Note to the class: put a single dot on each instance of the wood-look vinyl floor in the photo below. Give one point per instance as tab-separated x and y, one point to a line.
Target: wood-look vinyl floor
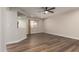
43	42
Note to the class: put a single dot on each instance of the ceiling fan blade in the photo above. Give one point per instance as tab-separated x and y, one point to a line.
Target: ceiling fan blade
51	8
51	11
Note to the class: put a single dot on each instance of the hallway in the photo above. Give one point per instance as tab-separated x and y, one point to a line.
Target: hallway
43	42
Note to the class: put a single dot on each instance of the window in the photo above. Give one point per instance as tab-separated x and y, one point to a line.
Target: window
33	23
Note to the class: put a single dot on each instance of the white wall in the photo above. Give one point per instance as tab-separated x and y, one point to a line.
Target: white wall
10	25
2	30
65	24
39	28
22	31
12	33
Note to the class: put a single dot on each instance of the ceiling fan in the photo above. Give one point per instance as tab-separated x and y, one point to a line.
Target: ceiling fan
48	9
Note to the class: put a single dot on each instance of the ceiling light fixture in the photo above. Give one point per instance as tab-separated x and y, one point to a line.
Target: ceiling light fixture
45	12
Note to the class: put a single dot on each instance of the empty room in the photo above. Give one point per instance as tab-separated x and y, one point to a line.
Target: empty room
39	29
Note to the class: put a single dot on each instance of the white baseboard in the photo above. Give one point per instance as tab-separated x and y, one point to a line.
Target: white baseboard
36	32
16	41
77	38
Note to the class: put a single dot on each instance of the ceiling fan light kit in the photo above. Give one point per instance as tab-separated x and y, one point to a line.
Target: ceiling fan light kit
45	12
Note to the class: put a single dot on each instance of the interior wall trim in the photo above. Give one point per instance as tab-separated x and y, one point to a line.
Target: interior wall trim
16	41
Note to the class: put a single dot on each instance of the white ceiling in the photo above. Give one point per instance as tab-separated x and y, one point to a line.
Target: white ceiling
38	11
